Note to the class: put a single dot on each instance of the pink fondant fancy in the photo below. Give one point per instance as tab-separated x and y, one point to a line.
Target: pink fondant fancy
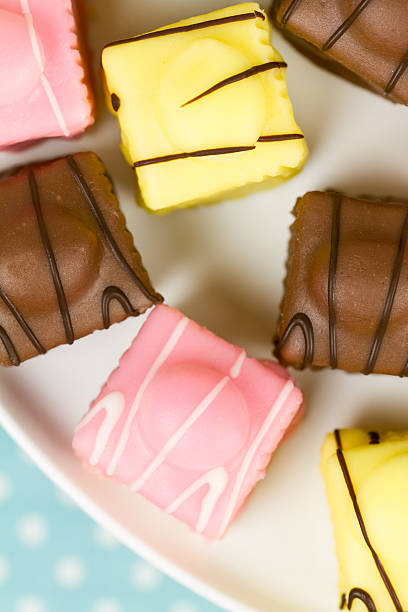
188	421
45	89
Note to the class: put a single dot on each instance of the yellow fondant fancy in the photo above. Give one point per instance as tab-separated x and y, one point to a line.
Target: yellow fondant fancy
366	476
201	102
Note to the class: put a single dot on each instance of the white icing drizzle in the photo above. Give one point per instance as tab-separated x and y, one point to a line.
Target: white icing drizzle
216	480
160	360
113	405
178	435
237	367
25	7
278	404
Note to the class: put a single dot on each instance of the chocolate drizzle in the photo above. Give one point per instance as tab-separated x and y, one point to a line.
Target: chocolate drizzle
342	29
334	249
374	437
343	601
115	101
401	68
22	322
219	151
59	289
201	153
404	371
9	346
385	317
240	76
356	593
389	301
190	27
280	137
109	294
290	10
301	320
362	595
337	437
114	293
93	205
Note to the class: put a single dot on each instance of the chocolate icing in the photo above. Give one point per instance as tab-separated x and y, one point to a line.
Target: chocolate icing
376	53
382	327
343	601
374	437
334	249
364	244
359	593
401	68
301	320
114	293
220	151
62	300
68	263
290	10
337	437
190	27
93	205
9	346
115	101
280	137
362	595
22	322
201	153
342	29
245	74
404	371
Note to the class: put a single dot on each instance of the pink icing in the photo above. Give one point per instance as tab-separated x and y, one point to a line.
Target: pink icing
18	77
167	403
188	420
44	91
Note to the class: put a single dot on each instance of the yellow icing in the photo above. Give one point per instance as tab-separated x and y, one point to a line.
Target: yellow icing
379	473
155	77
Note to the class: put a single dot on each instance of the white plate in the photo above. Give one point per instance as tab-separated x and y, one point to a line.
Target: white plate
223	266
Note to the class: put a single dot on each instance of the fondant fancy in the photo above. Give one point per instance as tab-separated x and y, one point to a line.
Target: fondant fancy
188	421
222	122
68	264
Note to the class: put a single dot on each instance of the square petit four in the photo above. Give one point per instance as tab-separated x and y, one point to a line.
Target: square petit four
345	302
68	265
203	108
363	40
188	420
45	83
365	474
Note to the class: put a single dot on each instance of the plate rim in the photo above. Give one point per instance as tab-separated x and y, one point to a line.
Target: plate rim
99	516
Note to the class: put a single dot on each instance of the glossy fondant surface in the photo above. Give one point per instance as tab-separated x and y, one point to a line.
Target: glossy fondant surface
188	420
199	102
365	474
45	85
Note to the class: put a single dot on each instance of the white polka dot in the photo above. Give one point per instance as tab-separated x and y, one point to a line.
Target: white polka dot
106	605
5	488
4	570
144	576
30	604
32	530
104	539
69	572
63	498
182	606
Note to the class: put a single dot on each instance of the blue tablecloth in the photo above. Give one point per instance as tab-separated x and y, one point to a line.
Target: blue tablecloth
53	558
